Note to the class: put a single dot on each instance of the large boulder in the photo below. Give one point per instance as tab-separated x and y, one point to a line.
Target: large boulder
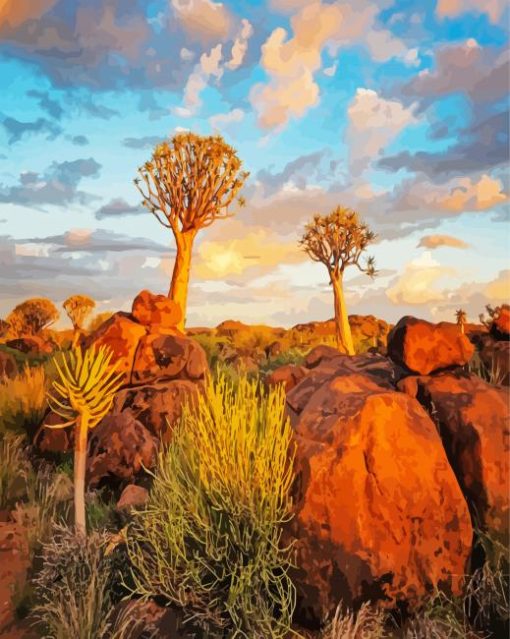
168	357
122	336
424	347
120	449
289	375
157	406
474	422
379	513
156	311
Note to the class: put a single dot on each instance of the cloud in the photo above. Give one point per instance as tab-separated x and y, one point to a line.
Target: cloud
118	207
298	173
436	241
248	251
480	147
79	140
478	72
16	130
13	13
52	107
58	185
291	63
374	122
240	46
204	21
209	65
146	142
419	283
453	8
223	120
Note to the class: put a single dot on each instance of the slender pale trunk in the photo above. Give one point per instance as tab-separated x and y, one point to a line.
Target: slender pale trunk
80	463
180	276
462	328
342	327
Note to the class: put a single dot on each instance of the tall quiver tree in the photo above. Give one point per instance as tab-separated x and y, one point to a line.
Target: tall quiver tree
187	185
78	308
338	240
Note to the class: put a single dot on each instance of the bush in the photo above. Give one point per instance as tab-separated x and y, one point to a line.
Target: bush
73	588
209	538
23	401
292	356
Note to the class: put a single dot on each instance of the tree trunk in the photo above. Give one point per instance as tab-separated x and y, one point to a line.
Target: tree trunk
80	463
342	327
180	276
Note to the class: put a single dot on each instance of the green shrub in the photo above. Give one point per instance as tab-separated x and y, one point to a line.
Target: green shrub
211	344
73	587
23	401
292	356
209	538
493	374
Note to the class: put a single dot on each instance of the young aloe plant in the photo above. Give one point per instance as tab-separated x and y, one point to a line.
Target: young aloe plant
83	395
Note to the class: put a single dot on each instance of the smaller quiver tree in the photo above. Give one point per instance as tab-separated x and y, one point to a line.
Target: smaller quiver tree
461	318
338	240
82	395
32	316
78	309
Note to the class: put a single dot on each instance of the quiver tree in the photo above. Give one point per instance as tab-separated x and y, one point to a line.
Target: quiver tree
461	318
187	185
338	240
78	308
32	316
82	395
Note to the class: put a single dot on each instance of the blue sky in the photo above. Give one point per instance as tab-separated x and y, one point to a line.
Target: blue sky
396	108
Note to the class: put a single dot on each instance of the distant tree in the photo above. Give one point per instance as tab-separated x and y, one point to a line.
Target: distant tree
78	308
338	240
188	185
461	317
32	316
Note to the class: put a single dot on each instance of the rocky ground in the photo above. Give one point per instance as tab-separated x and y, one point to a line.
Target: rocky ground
402	451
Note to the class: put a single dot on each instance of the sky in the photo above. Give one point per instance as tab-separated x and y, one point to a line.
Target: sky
396	108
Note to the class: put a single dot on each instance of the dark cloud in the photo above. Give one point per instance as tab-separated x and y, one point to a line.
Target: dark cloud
147	142
300	172
58	185
16	130
46	103
118	207
480	147
480	73
97	110
97	241
79	140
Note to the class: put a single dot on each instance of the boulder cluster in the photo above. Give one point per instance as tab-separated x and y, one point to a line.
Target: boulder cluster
398	460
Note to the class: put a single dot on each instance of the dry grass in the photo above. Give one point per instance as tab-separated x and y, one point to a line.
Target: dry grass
23	401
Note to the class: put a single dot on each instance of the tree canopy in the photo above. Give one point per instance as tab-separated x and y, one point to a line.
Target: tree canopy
32	316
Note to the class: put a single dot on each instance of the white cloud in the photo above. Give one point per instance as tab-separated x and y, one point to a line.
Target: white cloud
222	120
203	20
452	8
209	65
419	283
374	122
240	46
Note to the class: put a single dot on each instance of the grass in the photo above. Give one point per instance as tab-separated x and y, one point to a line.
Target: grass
14	468
209	538
491	374
23	401
73	588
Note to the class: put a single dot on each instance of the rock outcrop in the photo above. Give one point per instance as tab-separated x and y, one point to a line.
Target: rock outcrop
423	347
379	512
474	422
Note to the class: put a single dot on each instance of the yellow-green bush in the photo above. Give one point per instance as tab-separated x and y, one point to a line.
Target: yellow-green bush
209	538
23	401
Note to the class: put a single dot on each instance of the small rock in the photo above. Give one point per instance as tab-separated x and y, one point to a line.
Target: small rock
133	496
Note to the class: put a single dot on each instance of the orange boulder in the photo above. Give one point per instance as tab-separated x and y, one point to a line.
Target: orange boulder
474	421
379	513
424	347
500	327
289	375
156	310
122	335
